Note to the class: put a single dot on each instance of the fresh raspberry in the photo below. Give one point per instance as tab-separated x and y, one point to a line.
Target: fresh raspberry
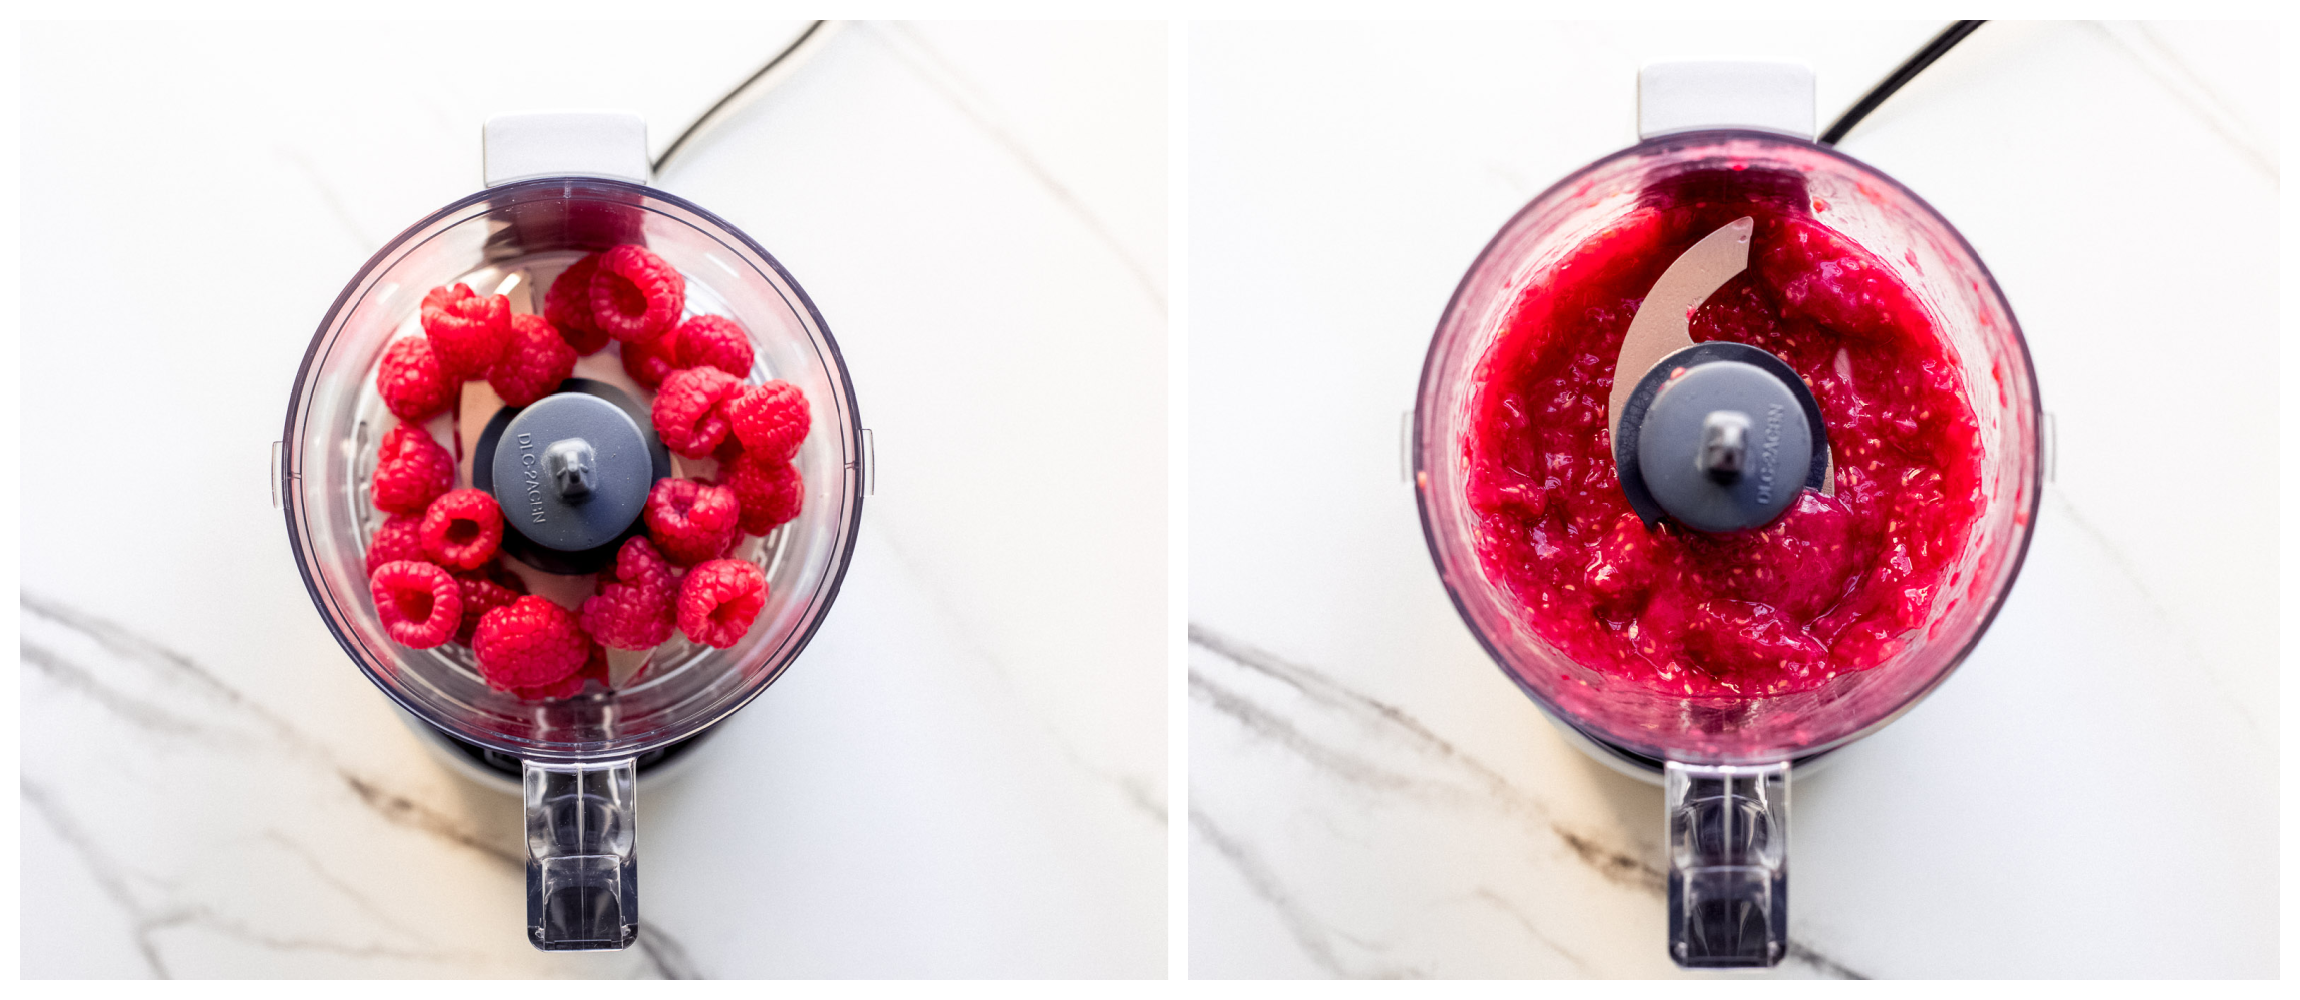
719	600
688	413
411	470
635	295
771	420
691	521
533	364
468	331
399	538
714	341
633	609
770	492
529	643
568	306
462	529
652	362
483	591
594	669
419	603
411	381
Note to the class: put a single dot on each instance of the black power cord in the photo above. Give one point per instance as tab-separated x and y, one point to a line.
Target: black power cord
780	58
1939	46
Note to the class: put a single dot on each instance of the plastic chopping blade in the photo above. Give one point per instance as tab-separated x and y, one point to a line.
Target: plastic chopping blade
1718	436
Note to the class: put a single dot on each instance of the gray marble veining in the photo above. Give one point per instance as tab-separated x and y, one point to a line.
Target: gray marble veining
169	707
1368	757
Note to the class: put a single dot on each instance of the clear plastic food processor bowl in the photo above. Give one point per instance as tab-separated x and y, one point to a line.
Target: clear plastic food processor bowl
1734	753
579	783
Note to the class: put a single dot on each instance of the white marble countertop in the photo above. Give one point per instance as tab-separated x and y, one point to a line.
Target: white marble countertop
2094	792
964	774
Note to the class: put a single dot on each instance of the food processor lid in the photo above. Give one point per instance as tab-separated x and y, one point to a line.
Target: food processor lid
1717	436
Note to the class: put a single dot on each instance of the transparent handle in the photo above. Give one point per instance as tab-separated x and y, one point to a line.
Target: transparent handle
582	855
1728	865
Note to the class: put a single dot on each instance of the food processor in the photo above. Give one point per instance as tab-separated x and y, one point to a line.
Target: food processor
1718	437
559	186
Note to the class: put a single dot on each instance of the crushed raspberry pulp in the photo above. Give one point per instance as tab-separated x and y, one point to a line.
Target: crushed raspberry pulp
1837	583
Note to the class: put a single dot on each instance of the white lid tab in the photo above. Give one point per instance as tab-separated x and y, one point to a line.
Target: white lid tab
1692	96
610	144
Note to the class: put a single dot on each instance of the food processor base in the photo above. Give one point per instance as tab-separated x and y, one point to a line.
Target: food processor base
501	772
1621	760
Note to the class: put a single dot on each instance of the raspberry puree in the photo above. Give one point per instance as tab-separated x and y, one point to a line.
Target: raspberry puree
1837	583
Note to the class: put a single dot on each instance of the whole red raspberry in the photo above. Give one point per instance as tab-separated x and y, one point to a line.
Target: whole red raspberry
533	364
691	521
651	362
463	529
635	295
419	603
594	669
770	492
714	341
411	381
633	609
483	591
399	538
467	330
771	420
411	470
529	643
568	306
719	600
689	415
